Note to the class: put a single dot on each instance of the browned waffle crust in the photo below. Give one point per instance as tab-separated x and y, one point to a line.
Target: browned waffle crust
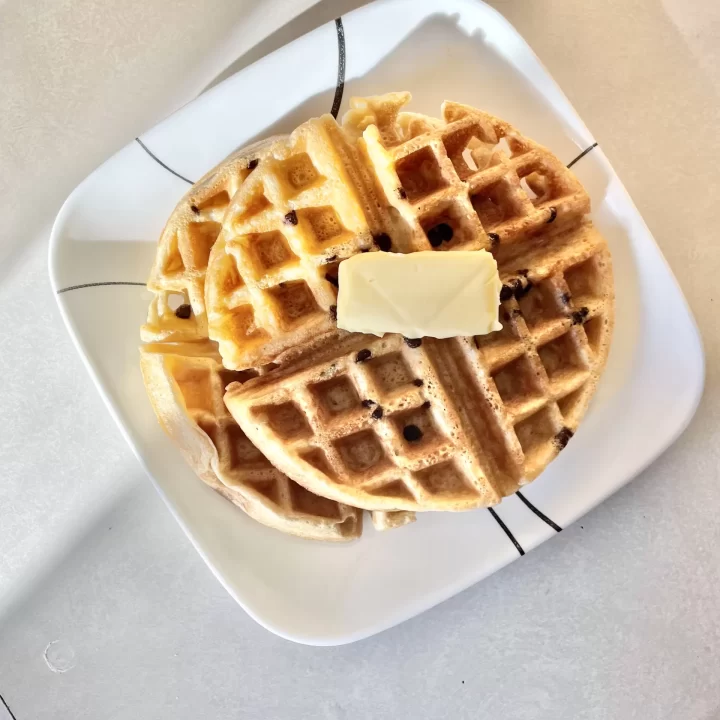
459	423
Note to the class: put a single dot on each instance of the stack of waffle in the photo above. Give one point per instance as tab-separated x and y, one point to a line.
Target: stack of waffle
303	425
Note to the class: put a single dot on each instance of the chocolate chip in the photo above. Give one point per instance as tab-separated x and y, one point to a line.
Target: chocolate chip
578	317
565	298
426	405
195	209
290	218
332	279
183	312
418	382
330	259
553	215
413	342
439	234
412	433
377	413
363	355
383	241
508	290
523	290
252	164
563	438
401	193
333	312
368	403
494	240
517	287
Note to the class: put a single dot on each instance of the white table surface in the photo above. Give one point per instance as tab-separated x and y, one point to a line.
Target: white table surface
617	617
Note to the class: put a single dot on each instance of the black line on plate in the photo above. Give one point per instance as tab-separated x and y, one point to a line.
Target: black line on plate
160	162
87	285
582	155
7	707
340	84
506	529
539	513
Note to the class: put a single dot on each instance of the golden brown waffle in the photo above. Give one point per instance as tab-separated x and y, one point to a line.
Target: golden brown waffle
449	424
471	171
389	180
186	383
177	280
273	272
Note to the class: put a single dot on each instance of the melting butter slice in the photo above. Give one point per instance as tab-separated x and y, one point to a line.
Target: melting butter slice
421	294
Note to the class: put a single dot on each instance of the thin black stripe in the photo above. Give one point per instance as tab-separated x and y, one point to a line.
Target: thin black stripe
160	162
7	707
582	155
340	84
506	529
540	514
87	285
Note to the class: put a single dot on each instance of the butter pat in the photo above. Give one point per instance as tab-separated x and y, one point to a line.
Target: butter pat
421	294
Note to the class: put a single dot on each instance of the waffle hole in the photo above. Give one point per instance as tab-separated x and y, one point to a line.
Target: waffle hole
390	372
240	323
202	237
323	223
496	204
294	302
286	420
536	433
174	300
254	206
316	458
417	429
571	405
303	501
361	452
196	388
594	329
539	305
537	187
469	149
337	396
420	174
269	250
561	359
173	263
396	489
447	229
219	201
516	381
444	479
268	489
584	282
300	172
242	452
228	278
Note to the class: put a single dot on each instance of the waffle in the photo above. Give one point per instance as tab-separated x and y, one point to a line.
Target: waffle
177	279
389	180
185	380
453	424
270	284
185	383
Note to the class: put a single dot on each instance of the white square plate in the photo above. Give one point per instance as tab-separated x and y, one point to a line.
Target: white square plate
456	49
